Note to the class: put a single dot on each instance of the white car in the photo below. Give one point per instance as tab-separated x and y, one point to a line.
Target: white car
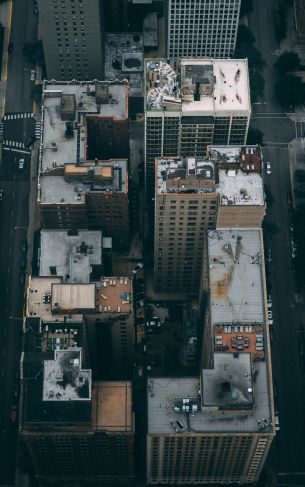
270	318
21	163
277	422
33	75
137	268
269	301
268	168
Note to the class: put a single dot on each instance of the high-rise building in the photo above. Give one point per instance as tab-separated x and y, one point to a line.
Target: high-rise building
191	104
218	428
84	124
224	189
77	432
202	28
72	39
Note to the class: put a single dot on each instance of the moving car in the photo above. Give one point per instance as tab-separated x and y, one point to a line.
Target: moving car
21	163
24	245
269	256
33	75
1	194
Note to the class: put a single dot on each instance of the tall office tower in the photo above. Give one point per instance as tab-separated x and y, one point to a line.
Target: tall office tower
77	432
218	428
192	194
83	161
72	38
190	104
202	28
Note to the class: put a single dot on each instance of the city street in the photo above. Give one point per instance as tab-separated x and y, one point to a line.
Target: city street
15	183
288	452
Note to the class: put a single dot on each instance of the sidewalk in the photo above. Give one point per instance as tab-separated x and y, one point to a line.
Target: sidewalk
6	17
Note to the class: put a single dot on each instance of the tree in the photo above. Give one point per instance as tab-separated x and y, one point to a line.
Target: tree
37	93
257	83
33	52
255	136
246	7
245	37
290	90
288	61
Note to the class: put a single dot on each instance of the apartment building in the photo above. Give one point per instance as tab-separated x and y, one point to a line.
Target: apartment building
76	431
83	159
202	28
218	428
224	189
191	104
72	38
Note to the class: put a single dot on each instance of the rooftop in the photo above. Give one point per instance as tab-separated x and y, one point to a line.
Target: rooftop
71	255
248	158
184	175
67	298
64	379
65	110
236	280
236	187
124	60
229	384
150	29
112	406
198	86
76	181
115	295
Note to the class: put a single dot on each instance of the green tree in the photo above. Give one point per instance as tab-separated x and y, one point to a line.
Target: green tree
246	7
290	90
255	136
288	61
33	52
257	83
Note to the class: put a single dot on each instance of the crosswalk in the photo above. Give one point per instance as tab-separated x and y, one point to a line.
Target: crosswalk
16	116
37	130
13	143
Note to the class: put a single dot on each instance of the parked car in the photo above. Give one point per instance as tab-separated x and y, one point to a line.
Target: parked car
277	421
269	256
10	47
22	278
137	268
36	12
289	199
24	245
270	318
140	304
269	301
21	163
33	75
153	324
13	414
268	168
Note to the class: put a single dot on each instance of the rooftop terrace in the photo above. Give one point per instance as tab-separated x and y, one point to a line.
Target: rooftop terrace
198	86
73	298
115	295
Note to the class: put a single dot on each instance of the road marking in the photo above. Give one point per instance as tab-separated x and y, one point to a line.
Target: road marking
19	150
13	194
12	212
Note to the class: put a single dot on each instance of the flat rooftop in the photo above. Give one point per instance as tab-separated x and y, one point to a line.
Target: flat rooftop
112	406
184	175
64	379
236	187
247	158
76	181
229	384
70	256
236	278
124	60
66	298
198	86
115	295
163	392
61	144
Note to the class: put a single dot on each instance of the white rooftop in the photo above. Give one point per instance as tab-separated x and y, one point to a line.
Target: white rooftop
64	379
235	269
236	187
223	86
70	256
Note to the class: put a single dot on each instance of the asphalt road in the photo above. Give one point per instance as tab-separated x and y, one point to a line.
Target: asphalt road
288	452
13	229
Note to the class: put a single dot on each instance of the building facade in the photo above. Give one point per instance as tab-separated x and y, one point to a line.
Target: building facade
224	189
72	39
202	28
191	104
